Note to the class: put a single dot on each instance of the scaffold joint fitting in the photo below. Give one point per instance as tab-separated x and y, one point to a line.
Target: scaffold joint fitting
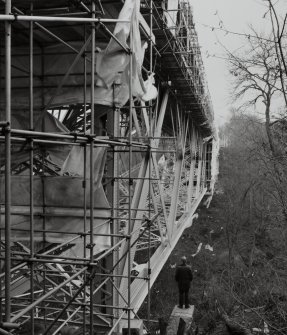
126	309
15	16
149	222
75	136
90	138
5	125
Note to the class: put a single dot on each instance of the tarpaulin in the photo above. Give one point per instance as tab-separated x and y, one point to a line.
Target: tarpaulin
59	200
52	62
50	65
113	63
45	122
59	203
74	164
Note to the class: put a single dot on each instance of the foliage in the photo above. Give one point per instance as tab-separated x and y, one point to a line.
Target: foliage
256	228
244	275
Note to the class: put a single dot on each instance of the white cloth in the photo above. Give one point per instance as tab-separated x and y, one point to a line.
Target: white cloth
171	15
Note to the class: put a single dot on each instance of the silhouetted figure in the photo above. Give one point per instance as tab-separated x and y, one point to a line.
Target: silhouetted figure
183	276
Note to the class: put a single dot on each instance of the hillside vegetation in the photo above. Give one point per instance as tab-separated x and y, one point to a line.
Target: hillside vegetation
240	270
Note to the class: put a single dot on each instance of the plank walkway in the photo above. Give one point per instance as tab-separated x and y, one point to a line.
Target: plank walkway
186	314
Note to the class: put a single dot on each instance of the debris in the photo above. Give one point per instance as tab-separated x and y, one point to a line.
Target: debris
266	328
198	250
208	247
257	330
195	216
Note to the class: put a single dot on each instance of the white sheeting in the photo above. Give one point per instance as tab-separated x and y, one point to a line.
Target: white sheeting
214	160
61	199
44	122
74	164
171	15
112	65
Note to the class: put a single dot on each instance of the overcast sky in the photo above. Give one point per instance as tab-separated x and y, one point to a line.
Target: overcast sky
233	15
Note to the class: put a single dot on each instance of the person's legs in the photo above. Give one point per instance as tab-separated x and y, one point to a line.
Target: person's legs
181	298
186	298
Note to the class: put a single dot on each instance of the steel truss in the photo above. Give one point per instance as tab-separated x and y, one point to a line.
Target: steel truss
156	172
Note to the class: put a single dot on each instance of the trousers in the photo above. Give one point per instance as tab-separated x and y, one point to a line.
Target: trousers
183	297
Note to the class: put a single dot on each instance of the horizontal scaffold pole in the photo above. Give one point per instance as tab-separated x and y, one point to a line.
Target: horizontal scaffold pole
15	17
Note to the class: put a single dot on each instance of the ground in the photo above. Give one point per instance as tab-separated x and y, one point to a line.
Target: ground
208	229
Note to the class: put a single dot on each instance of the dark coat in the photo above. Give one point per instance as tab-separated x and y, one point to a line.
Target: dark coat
183	276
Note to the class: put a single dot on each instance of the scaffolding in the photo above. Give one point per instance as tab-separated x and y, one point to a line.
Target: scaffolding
106	149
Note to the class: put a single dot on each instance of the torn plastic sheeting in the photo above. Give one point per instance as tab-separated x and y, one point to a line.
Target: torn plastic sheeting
74	164
57	196
214	160
114	58
151	91
45	122
58	191
113	63
50	64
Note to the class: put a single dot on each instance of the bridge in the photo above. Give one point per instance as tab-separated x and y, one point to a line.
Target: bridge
107	148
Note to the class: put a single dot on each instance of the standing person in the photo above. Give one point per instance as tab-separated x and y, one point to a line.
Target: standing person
183	276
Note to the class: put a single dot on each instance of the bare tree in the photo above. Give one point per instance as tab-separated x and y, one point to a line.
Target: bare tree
278	29
260	80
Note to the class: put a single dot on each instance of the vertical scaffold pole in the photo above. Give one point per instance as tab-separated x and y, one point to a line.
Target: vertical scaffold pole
85	81
130	177
150	170
2	313
7	163
114	125
31	91
92	167
85	180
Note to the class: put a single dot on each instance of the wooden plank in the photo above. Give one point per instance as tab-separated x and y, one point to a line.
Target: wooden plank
186	314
